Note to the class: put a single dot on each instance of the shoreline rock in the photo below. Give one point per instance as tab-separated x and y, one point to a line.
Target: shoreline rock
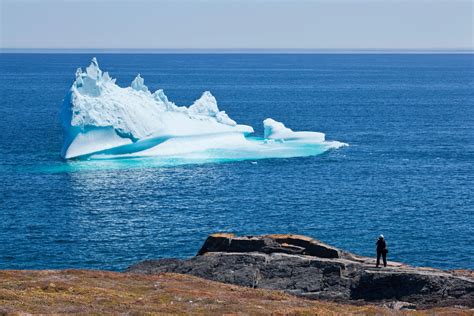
309	268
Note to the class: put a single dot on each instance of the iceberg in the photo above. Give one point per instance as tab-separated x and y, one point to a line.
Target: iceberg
276	130
104	121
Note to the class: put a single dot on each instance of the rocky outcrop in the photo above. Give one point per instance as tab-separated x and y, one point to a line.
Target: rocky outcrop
290	244
306	267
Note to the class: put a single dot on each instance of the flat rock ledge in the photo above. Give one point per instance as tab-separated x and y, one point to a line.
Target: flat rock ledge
306	267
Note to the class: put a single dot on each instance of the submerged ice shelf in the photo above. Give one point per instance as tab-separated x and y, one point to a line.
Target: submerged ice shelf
104	121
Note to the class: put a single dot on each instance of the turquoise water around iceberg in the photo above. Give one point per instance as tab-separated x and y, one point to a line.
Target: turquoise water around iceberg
408	172
268	150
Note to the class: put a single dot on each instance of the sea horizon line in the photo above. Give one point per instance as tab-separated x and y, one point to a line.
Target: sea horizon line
235	51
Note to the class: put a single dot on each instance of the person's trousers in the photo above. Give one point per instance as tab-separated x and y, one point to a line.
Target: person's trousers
384	257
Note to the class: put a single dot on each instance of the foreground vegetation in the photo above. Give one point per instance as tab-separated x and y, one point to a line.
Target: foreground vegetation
99	292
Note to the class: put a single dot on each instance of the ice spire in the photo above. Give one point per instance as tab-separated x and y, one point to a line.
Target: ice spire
93	71
138	84
91	81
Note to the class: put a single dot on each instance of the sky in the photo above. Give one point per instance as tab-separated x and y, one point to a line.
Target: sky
237	24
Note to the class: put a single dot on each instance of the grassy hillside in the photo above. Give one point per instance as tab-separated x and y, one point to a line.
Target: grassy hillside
99	292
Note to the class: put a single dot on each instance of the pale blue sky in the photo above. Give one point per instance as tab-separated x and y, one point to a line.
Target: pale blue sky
259	24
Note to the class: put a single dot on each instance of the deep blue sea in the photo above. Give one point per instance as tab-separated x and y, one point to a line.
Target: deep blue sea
408	172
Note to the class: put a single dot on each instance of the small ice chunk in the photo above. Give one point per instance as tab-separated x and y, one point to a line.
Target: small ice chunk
278	131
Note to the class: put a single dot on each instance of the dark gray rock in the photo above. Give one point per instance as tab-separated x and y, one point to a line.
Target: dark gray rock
306	267
291	244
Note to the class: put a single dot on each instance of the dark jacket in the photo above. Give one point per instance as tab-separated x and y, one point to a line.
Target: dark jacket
381	245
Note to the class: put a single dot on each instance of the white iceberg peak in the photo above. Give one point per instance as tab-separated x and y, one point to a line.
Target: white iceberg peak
161	99
94	61
93	71
78	72
138	84
207	105
92	80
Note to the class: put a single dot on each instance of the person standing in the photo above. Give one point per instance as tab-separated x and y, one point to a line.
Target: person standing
381	250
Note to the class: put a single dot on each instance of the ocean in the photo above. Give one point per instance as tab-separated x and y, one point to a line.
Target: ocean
408	172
